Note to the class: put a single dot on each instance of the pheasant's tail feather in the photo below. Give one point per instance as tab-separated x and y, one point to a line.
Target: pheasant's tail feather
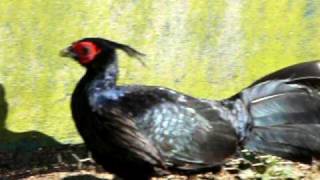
285	116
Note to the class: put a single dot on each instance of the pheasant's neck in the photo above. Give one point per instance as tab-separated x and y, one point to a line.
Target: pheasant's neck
102	87
104	77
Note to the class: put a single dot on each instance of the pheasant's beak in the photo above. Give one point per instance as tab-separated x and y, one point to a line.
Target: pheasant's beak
67	53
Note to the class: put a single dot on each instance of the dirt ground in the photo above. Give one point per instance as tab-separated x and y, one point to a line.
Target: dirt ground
74	163
224	175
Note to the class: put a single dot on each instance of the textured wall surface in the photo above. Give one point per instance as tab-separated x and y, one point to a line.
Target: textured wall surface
208	49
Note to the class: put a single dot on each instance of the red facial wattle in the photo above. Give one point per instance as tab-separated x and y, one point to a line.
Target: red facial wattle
86	51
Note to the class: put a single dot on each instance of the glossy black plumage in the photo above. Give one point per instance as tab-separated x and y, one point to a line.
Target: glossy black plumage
285	110
140	131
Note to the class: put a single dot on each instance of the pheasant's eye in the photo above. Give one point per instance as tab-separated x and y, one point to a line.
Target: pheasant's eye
81	49
85	51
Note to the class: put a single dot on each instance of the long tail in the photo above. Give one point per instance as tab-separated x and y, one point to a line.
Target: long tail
283	113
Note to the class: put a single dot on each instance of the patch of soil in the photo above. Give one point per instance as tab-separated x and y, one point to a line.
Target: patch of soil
73	162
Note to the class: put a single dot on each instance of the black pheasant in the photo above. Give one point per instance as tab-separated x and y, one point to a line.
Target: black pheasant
138	131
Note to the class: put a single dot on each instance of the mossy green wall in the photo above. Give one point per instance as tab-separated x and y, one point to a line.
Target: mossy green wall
205	48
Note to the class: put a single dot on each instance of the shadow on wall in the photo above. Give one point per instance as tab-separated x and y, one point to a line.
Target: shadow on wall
32	149
17	150
25	141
